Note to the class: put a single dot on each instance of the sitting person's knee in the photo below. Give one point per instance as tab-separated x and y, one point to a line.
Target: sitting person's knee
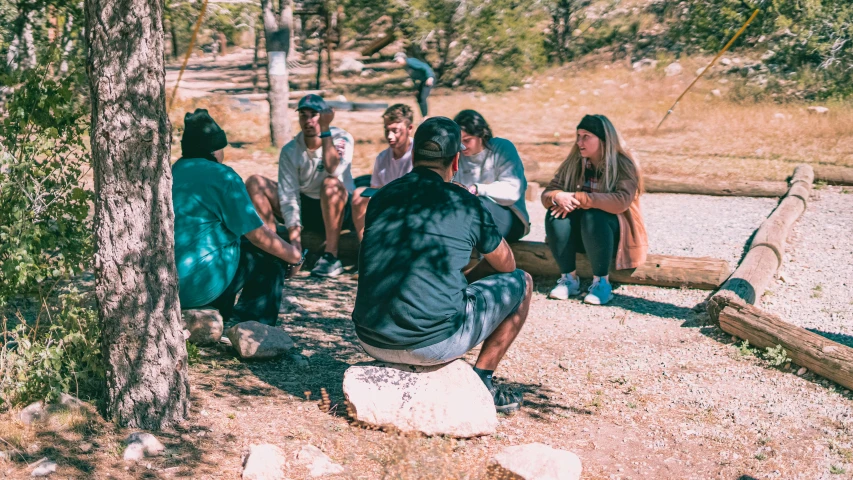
332	186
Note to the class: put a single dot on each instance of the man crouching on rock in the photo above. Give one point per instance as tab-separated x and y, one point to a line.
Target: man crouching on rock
414	305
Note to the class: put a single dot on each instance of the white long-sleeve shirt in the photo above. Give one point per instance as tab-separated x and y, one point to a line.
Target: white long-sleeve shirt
302	171
499	175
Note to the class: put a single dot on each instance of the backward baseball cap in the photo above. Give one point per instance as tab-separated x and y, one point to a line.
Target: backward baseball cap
312	102
438	137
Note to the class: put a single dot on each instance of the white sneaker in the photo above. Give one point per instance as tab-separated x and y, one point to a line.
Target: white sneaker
567	286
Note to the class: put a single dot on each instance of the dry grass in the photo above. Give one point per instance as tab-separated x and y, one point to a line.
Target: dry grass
706	136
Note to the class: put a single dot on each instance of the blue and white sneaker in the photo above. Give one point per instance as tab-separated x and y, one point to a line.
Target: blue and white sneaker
567	286
600	292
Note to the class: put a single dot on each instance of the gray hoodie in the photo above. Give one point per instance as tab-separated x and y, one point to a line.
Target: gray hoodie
499	175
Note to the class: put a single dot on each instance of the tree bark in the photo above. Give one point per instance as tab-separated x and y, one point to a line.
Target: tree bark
277	31
135	278
68	42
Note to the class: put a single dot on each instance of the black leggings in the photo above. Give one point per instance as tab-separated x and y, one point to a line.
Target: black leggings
260	276
423	93
509	225
592	231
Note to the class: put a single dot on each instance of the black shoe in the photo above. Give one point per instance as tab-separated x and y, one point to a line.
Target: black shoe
506	400
328	266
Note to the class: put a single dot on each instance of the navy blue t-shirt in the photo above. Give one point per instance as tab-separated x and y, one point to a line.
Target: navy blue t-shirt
419	234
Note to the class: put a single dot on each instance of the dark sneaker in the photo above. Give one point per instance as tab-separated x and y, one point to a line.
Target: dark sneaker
506	399
328	266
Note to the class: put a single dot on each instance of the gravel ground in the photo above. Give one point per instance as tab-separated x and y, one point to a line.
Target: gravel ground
815	289
690	226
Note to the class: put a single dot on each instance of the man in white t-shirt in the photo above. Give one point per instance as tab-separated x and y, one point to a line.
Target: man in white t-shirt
314	183
391	163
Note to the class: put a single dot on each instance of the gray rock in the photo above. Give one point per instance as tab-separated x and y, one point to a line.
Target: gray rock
205	326
258	341
141	445
818	110
317	462
44	467
39	412
443	400
717	93
350	65
535	461
643	64
85	447
264	462
674	69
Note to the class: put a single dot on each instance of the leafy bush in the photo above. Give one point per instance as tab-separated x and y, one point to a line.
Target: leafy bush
50	335
809	41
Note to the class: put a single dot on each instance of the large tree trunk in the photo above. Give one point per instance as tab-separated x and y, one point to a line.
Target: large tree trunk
277	30
135	277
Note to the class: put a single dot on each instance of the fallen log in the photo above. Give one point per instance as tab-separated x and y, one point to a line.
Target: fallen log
536	259
834	175
820	355
380	43
724	188
767	250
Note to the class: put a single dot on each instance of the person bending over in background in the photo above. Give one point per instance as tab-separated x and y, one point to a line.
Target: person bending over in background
314	183
593	205
414	305
391	163
423	76
491	169
221	244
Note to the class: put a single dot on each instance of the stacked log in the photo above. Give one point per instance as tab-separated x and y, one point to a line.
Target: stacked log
536	259
834	175
723	188
766	252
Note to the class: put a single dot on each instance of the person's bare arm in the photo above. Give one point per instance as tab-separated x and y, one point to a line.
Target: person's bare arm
501	259
331	158
267	240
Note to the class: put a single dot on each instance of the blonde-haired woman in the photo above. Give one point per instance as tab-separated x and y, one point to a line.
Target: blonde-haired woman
593	207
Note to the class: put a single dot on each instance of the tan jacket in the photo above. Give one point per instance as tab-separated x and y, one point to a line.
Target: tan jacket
624	202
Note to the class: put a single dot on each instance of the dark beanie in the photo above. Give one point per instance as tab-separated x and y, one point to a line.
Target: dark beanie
593	125
202	136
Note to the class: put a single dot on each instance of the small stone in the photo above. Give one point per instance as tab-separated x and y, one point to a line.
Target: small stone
264	462
535	461
527	85
148	443
205	326
134	452
818	110
85	447
802	371
768	55
643	64
258	341
700	71
44	467
673	69
780	116
514	88
341	98
317	462
726	61
350	65
717	93
442	400
34	412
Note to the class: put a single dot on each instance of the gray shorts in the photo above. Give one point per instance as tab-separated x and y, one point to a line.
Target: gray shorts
489	301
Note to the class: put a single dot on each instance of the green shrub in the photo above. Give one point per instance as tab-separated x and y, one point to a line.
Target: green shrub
51	337
810	40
